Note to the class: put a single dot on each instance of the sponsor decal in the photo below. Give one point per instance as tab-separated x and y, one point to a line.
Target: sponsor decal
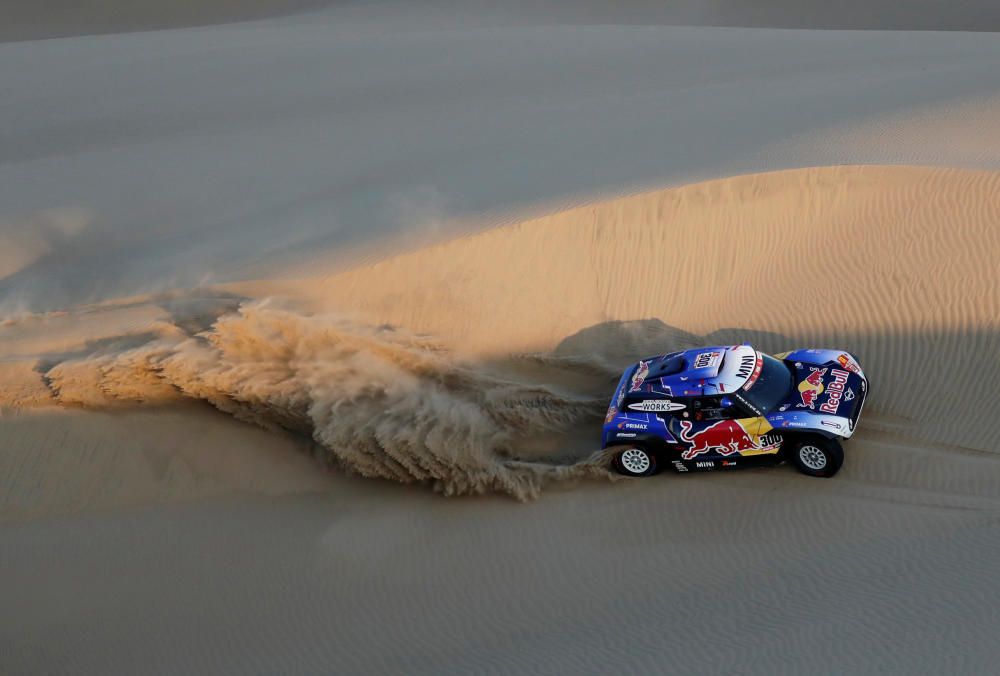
612	412
728	463
769	440
758	365
846	362
656	406
724	437
680	466
633	426
835	391
705	464
848	394
811	388
639	376
626	435
743	400
707	359
747	363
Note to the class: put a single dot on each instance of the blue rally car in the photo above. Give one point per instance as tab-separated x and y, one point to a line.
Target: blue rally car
732	406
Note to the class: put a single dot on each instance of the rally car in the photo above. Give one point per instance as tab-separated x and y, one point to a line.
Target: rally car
731	406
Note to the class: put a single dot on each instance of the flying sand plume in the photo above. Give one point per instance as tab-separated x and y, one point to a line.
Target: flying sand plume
378	402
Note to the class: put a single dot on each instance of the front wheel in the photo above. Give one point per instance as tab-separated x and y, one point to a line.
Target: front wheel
634	461
815	456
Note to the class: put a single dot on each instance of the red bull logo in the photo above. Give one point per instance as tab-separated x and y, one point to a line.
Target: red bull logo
836	391
639	376
811	388
724	437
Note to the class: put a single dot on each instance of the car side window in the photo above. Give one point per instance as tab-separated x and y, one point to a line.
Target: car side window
674	427
710	408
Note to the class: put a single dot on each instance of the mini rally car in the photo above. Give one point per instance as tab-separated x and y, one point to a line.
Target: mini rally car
727	407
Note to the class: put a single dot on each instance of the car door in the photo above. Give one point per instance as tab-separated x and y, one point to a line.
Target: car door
764	439
718	436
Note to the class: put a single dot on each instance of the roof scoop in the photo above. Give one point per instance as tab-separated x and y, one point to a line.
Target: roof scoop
668	367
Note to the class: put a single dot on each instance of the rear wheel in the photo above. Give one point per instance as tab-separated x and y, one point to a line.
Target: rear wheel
815	455
635	461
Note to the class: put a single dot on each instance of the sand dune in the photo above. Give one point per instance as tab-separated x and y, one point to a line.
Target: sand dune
896	264
931	15
63	18
425	134
269	289
874	260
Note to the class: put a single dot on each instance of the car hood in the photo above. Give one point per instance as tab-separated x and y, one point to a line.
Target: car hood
826	389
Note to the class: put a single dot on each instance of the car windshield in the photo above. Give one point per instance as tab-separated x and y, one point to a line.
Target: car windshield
771	387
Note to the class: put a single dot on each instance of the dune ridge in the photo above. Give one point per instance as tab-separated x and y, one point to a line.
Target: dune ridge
896	264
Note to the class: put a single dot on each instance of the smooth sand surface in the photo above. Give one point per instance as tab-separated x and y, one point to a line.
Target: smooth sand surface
285	147
31	20
290	310
931	15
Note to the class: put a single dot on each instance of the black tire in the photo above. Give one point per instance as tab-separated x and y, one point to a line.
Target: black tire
814	455
635	461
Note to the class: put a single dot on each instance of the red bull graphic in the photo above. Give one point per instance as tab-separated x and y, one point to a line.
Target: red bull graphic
724	437
639	376
811	388
836	391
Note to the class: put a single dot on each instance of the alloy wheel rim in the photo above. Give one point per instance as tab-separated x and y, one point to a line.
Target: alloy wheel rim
635	461
812	457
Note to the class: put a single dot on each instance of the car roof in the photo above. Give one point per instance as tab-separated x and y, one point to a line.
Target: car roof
697	372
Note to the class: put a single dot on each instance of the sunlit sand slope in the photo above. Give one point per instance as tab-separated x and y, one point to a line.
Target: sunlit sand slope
897	264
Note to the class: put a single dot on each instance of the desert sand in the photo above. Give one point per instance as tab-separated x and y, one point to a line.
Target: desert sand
282	301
